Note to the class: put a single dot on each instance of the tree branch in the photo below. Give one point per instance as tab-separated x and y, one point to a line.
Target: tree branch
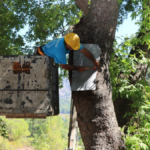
83	5
141	68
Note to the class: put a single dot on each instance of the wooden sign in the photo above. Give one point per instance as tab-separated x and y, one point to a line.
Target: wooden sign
28	87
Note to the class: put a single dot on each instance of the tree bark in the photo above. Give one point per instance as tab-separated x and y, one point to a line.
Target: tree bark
95	111
83	5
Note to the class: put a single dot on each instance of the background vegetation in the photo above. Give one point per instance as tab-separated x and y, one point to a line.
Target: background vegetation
49	19
39	134
137	129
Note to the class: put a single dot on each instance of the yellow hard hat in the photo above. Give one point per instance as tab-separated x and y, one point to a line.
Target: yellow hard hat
72	40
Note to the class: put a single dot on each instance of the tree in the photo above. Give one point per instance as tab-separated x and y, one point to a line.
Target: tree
12	19
133	97
99	128
98	27
14	133
50	134
139	46
18	132
95	110
57	15
3	131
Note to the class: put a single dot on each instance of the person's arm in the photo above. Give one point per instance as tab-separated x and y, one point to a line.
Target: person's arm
90	56
71	67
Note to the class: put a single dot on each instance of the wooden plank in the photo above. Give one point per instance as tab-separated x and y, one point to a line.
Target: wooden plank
35	102
55	89
37	79
33	95
37	116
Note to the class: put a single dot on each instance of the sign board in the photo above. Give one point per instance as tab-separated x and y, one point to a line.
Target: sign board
83	81
28	87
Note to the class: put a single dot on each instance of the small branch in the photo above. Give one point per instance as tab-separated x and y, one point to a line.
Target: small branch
140	73
83	5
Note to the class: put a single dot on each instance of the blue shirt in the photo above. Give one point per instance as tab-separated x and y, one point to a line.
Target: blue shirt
57	50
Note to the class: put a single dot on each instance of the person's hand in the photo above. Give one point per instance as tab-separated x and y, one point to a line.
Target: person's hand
81	68
97	64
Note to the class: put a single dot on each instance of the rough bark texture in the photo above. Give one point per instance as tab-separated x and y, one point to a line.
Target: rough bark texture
122	106
83	5
95	111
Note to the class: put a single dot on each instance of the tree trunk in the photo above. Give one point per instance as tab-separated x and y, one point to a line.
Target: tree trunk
95	110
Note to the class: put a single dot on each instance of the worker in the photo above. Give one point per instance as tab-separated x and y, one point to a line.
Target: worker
58	49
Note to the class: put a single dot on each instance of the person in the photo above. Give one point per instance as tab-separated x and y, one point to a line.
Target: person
58	49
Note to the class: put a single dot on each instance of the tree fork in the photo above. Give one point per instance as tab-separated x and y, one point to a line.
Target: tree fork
95	110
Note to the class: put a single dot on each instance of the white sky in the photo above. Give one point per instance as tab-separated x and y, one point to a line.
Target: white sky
127	28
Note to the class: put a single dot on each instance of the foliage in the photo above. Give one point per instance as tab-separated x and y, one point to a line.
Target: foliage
4	144
138	133
52	131
65	105
126	7
48	20
12	19
3	131
17	134
14	15
57	15
121	69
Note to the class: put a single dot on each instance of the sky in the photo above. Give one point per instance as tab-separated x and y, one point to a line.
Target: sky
127	28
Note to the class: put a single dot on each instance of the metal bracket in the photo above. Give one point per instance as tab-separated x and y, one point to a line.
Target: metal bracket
18	69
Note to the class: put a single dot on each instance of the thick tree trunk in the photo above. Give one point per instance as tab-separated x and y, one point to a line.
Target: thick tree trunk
95	110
